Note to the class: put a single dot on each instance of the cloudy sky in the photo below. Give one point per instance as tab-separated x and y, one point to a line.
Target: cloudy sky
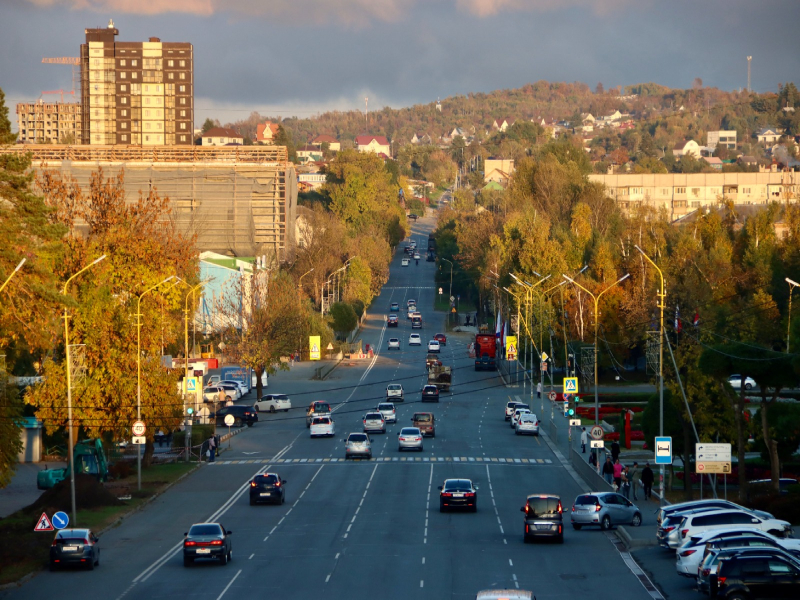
300	57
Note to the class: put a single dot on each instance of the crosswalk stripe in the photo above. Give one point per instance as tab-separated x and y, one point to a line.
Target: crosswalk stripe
410	459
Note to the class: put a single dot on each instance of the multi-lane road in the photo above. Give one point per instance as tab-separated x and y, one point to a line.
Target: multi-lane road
366	528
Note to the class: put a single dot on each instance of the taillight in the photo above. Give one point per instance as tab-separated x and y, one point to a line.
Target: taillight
706	572
54	542
684	532
278	484
597	508
85	542
447	494
536	423
668	529
573	508
721	581
402	439
688	552
253	484
470	494
560	509
216	543
189	543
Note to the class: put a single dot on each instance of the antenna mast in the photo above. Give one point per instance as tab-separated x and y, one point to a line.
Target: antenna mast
749	60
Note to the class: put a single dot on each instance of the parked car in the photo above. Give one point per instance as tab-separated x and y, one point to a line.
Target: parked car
243	389
267	487
318	408
409	438
511	406
430	393
242	415
388	411
273	402
212	394
604	509
717	503
74	547
527	424
692	560
754	576
207	540
322	426
716	555
425	422
395	392
374	422
441	338
521	409
543	517
736	382
668	535
717	519
231	388
357	445
458	493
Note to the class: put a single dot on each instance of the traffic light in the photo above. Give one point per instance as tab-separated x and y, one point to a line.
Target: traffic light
570	365
189	411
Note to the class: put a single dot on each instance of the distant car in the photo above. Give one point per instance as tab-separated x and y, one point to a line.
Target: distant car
410	301
243	389
392	321
395	392
232	388
207	540
736	382
322	426
212	393
374	422
404	262
242	415
441	338
388	411
414	340
273	402
543	517
409	438
604	509
510	406
433	346
416	256
527	424
395	307
519	410
357	444
458	493
394	343
430	393
267	487
425	422
75	547
318	408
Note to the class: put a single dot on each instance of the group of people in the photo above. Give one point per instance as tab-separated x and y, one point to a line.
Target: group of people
621	477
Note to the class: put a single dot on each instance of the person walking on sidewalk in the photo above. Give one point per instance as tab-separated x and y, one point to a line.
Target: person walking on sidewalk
539	389
584	440
626	484
618	475
633	474
647	481
608	470
614	450
212	448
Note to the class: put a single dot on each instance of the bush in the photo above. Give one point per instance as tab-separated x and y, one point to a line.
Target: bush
120	469
358	307
200	433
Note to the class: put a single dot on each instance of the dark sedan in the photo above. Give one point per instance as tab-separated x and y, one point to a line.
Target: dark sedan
242	415
430	393
75	547
458	493
268	487
207	540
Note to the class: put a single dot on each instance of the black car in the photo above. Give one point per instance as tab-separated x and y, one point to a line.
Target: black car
207	540
75	547
543	517
458	493
267	487
430	393
714	555
242	415
754	575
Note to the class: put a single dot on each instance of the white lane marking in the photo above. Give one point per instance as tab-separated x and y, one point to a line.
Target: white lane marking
251	556
328	578
230	583
273	530
266	538
510	564
421	583
423	560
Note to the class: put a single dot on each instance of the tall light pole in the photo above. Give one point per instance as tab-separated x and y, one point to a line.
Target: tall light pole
14	272
69	391
792	285
300	281
529	288
596	322
662	295
188	435
139	371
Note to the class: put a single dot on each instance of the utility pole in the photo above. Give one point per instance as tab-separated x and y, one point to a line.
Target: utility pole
749	60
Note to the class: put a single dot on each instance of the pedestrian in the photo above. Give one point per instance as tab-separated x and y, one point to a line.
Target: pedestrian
626	484
617	474
584	440
539	390
593	459
633	474
212	449
608	471
647	481
614	450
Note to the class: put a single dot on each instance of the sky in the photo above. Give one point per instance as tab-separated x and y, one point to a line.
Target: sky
302	57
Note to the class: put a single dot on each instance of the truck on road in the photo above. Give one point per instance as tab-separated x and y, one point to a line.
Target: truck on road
485	352
441	376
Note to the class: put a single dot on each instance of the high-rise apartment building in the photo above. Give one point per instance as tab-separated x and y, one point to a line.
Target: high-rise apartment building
43	122
136	93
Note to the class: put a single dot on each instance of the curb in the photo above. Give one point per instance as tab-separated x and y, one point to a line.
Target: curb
322	376
630	543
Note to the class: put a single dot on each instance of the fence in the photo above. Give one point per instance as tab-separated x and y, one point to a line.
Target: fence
588	472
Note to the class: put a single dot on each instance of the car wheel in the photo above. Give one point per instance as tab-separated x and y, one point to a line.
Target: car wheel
250	423
283	499
272	408
561	539
747	386
576	526
187	561
474	508
525	538
97	561
90	566
230	555
237	422
637	520
605	523
223	559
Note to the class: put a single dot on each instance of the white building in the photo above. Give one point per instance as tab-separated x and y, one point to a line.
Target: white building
726	137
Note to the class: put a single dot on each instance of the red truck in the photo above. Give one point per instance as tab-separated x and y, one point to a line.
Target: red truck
485	352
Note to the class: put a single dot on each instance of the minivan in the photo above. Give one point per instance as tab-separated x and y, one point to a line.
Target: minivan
318	408
543	517
426	423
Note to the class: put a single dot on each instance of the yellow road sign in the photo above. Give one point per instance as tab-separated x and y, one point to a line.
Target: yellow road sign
570	385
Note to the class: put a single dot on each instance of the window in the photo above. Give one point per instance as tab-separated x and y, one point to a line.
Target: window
123	137
147	138
183	62
124	112
680	190
745	190
182	76
183	138
147	99
181	88
146	113
160	125
183	113
696	192
170	63
123	88
134	62
123	125
134	75
123	100
171	76
183	125
183	100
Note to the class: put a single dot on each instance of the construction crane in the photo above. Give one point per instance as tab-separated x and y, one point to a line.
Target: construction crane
66	60
62	92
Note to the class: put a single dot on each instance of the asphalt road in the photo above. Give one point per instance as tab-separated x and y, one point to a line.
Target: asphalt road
366	528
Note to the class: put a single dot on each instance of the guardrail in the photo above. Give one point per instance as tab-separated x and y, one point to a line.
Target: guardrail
588	472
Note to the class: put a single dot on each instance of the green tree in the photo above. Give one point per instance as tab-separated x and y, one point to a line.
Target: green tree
358	282
209	124
282	138
6	137
343	318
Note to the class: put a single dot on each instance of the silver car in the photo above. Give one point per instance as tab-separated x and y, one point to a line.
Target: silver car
388	411
357	445
394	343
527	424
409	438
521	409
395	392
374	421
604	509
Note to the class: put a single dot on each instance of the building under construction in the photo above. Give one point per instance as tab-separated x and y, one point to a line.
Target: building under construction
239	201
43	122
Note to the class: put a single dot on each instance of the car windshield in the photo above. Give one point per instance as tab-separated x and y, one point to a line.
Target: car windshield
409	431
458	485
394	386
322	407
374	416
422	418
279	397
542	507
357	437
322	421
586	499
72	534
205	530
522	407
385	407
266	479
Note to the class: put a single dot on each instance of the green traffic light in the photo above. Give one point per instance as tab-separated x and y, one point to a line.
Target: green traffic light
189	411
571	412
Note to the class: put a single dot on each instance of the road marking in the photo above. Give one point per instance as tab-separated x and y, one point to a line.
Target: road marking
421	583
328	578
423	560
230	583
251	556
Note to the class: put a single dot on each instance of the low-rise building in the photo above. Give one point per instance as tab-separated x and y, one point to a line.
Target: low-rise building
767	135
506	165
374	143
685	148
309	154
221	136
266	133
502	124
333	144
724	137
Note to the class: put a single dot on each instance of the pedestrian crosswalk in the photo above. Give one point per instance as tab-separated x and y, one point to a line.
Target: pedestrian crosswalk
392	459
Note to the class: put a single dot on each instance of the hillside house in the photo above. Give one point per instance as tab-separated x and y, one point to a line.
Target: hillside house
767	135
421	138
724	137
266	132
324	138
221	136
685	148
502	124
374	143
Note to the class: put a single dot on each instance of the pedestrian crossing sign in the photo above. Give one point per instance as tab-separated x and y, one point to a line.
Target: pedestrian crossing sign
191	385
570	385
511	347
43	524
314	344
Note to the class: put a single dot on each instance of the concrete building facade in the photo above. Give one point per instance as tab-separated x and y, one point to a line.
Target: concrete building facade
43	122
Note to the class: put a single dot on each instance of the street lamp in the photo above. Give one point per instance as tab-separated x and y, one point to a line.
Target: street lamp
19	266
792	285
596	321
451	276
300	281
663	297
139	371
188	435
69	390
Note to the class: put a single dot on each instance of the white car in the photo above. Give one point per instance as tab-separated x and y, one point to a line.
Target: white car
410	302
736	382
322	426
434	346
520	410
717	519
404	262
527	423
414	340
243	389
395	391
394	343
388	411
211	393
416	256
273	402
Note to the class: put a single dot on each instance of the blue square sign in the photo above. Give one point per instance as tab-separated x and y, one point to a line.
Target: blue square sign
663	450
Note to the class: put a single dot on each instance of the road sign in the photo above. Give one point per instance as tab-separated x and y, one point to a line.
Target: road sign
44	524
664	450
511	347
330	346
452	299
566	397
571	385
229	420
313	345
552	396
544	366
574	422
597	433
139	440
712	458
544	356
138	428
596	443
60	520
190	385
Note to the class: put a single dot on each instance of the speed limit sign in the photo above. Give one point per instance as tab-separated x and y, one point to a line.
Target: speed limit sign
138	428
552	396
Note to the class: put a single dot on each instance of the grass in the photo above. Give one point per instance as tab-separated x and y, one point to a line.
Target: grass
31	550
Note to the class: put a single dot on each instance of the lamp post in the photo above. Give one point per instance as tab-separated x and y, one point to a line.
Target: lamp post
451	276
662	297
596	321
516	297
530	287
792	285
188	436
69	391
19	266
300	281
139	371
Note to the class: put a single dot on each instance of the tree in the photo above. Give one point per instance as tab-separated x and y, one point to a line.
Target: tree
697	84
343	318
6	137
282	138
599	89
209	124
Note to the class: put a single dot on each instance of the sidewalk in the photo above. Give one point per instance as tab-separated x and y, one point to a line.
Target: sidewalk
21	490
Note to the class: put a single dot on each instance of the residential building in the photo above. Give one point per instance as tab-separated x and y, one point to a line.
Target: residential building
309	154
43	122
714	162
266	132
373	143
311	181
685	148
505	165
421	138
333	144
136	93
497	176
767	135
221	136
502	124
724	137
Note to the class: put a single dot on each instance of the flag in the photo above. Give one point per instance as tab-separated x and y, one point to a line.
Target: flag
677	319
696	320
